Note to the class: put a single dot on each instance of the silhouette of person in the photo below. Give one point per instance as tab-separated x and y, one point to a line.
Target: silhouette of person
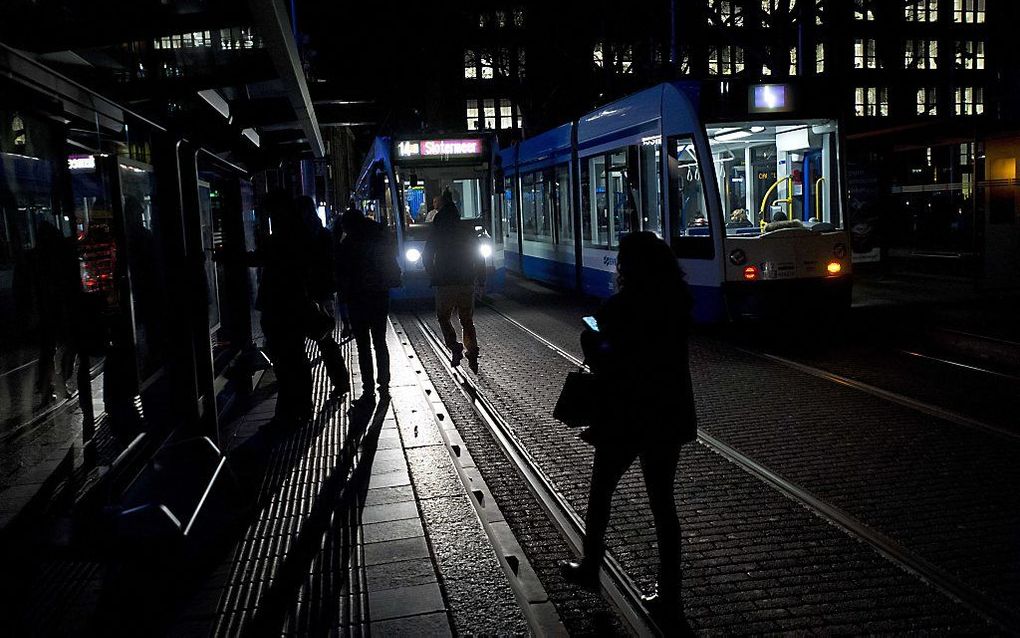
367	268
56	287
283	297
321	285
640	352
454	264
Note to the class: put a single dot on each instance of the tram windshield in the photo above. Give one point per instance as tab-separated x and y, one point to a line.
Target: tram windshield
777	174
423	186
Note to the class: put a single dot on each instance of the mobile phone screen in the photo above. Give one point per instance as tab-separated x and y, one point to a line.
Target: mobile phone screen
591	323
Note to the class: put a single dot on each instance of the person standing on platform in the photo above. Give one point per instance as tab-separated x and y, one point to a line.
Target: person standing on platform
282	297
367	268
454	265
321	285
640	351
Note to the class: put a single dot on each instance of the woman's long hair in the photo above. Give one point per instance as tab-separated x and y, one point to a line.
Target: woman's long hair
648	268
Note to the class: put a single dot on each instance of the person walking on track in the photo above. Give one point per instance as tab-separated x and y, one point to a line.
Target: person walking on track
640	351
455	266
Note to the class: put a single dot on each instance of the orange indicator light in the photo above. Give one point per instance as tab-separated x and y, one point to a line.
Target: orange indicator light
834	267
751	273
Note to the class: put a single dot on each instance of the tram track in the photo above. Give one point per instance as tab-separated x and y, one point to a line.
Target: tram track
621	590
888	395
894	551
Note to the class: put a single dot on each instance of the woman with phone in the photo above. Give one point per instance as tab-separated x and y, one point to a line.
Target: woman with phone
638	346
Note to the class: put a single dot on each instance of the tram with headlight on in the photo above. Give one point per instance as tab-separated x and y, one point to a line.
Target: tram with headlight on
752	208
399	181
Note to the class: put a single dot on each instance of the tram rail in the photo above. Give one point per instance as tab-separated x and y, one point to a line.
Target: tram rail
624	594
895	552
888	395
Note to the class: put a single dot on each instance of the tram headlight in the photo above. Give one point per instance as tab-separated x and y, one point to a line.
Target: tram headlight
839	251
486	251
413	255
737	257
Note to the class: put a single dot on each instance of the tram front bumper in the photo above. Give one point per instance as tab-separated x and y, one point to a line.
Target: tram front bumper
784	297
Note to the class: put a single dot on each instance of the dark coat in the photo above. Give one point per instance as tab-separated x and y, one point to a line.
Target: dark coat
641	354
366	261
451	255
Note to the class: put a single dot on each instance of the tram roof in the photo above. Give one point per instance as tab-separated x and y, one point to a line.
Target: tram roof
635	111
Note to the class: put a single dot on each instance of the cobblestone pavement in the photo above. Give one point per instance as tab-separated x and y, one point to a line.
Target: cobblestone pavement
942	490
754	560
581	612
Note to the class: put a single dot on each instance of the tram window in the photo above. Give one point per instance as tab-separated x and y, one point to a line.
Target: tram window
510	206
467	196
765	169
651	197
624	187
536	214
565	220
596	211
689	221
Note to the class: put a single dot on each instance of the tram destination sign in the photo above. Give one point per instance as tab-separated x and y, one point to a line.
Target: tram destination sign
440	149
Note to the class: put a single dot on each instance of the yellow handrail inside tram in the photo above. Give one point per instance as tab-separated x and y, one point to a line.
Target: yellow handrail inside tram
788	200
818	198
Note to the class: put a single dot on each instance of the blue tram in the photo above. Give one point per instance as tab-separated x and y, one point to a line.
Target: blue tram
401	177
752	209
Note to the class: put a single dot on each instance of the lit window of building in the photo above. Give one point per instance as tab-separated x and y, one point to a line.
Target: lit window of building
472	115
863	10
470	65
793	61
624	58
506	114
483	20
968	11
926	101
871	101
726	13
864	54
725	60
597	56
921	10
489	114
232	39
921	54
486	63
518	17
820	58
520	120
970	100
501	19
966	153
521	64
970	55
820	12
768	8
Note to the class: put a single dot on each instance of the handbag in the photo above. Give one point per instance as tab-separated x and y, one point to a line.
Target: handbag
318	321
580	400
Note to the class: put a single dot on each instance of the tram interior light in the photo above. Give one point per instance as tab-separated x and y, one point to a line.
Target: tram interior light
413	255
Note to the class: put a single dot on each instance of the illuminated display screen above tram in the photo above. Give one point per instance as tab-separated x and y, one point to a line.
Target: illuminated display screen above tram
410	150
